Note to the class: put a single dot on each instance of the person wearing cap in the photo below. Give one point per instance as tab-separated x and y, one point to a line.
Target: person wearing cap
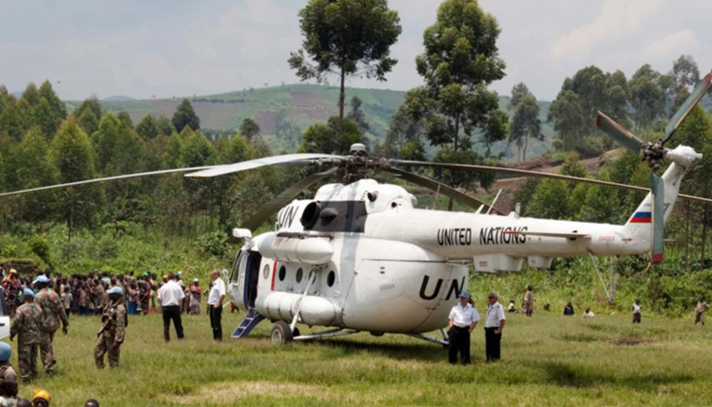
41	398
28	326
8	376
113	332
171	296
53	311
463	319
195	294
11	285
494	324
215	301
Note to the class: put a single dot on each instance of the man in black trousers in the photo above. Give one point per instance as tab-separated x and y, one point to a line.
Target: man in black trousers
171	296
215	303
494	324
463	319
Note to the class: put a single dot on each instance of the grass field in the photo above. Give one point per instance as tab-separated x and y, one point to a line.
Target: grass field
547	360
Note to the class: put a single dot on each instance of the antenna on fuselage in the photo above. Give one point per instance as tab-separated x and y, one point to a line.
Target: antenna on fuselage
494	202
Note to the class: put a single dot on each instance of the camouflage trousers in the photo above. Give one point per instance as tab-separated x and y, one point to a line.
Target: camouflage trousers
106	345
27	359
47	351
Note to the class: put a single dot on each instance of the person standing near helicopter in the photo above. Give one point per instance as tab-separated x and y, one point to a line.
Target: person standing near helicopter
463	319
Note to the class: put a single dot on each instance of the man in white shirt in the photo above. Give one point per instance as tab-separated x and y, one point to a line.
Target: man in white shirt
171	296
494	324
463	319
215	300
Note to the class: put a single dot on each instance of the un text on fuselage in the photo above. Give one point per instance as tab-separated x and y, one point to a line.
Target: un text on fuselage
489	235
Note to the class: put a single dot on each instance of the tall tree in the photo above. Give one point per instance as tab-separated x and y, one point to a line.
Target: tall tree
88	114
684	74
357	115
43	116
346	38
147	128
525	124
185	116
165	126
459	61
249	128
58	107
519	91
569	119
646	97
31	94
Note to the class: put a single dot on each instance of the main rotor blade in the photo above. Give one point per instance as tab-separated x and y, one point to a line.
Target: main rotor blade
260	162
444	189
697	94
527	173
618	133
287	196
95	180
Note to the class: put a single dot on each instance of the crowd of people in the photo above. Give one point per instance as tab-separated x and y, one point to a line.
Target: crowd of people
41	306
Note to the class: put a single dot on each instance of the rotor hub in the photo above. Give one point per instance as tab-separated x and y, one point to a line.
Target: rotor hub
653	154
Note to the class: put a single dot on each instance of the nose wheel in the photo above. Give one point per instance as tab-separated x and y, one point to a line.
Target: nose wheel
282	333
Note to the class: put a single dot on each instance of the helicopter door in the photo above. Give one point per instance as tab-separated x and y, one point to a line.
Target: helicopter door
252	275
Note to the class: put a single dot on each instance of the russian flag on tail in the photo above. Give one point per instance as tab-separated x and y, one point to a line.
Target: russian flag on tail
641	217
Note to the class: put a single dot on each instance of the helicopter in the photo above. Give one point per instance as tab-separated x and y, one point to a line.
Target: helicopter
360	257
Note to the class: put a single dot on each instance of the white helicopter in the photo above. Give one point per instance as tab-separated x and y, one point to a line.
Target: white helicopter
359	257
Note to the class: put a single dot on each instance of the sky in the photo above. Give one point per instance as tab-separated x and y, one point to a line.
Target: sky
166	48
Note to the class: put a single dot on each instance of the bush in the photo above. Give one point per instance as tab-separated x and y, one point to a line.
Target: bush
40	247
214	243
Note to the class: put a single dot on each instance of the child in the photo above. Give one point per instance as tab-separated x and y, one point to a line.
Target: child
636	311
511	307
588	314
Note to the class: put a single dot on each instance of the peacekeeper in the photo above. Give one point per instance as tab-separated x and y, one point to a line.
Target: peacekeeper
7	372
28	326
53	312
463	319
111	335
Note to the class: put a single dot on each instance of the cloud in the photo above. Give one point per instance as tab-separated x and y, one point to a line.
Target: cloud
672	44
615	20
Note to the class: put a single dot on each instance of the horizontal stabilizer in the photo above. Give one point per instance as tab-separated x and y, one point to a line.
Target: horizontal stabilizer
573	235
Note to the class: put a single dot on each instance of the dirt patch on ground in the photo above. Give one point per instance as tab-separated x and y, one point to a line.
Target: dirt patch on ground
630	341
227	393
267	122
306	104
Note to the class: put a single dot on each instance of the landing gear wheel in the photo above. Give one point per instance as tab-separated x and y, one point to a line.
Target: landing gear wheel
281	333
296	332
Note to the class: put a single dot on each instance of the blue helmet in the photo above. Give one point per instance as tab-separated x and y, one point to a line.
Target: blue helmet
5	352
464	294
42	279
115	290
28	292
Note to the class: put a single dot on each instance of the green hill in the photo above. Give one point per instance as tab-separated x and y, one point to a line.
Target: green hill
299	105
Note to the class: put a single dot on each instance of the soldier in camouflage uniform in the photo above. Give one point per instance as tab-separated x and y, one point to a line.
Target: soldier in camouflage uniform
28	326
112	335
54	313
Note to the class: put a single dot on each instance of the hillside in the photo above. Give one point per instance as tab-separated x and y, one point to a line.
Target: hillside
299	105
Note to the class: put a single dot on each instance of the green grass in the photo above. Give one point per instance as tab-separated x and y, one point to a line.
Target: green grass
547	360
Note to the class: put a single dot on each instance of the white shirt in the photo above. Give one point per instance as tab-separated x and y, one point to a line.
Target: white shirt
170	294
217	289
636	309
464	317
495	313
588	314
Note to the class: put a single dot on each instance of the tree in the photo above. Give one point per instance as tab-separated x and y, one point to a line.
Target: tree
16	118
58	107
249	128
43	116
617	95
357	116
569	119
31	94
525	124
402	130
519	91
684	75
185	116
88	114
346	38
71	153
147	128
324	138
165	126
35	170
646	97
459	61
